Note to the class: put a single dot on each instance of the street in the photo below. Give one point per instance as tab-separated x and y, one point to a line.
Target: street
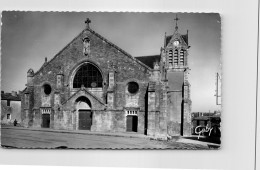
25	138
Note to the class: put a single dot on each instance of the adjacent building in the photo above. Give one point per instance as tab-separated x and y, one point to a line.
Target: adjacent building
209	120
10	107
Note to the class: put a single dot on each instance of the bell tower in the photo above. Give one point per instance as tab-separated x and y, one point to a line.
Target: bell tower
175	75
176	49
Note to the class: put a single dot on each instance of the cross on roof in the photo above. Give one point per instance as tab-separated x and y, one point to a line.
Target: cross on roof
176	19
87	22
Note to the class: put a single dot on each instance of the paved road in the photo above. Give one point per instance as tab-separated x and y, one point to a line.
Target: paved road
23	138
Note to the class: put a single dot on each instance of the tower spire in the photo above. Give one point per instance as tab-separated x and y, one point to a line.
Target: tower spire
176	22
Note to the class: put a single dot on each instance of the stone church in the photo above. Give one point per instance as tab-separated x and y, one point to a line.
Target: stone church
92	84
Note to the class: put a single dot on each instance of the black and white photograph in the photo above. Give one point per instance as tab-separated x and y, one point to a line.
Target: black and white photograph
111	80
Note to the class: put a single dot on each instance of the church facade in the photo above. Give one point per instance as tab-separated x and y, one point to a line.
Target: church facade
92	84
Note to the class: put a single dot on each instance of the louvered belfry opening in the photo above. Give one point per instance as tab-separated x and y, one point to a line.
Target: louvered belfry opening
182	57
89	76
170	57
176	57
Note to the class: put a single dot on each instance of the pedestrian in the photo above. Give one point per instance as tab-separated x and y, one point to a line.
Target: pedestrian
15	122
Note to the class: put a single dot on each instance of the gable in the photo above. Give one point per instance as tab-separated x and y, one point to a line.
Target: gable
103	53
182	38
96	103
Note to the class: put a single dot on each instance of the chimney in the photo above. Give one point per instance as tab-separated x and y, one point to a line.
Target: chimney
14	93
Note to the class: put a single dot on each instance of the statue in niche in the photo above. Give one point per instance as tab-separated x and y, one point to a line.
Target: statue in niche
86	46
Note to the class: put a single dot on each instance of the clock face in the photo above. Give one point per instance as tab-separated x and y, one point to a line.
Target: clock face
176	43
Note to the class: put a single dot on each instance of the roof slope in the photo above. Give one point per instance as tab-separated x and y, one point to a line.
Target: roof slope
149	60
9	96
118	48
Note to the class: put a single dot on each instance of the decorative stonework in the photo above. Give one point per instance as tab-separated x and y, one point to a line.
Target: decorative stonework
86	46
45	110
30	73
131	112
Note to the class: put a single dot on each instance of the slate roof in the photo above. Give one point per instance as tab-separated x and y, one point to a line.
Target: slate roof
185	38
149	60
8	96
168	38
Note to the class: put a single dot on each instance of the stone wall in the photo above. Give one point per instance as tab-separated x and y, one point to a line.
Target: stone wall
157	117
102	121
174	112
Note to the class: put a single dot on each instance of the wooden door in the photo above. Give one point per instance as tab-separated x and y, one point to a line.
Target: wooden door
85	119
46	120
131	123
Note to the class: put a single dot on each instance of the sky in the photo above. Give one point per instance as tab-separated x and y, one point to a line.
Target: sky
28	37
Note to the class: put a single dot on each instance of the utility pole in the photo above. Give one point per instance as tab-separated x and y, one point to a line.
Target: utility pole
218	89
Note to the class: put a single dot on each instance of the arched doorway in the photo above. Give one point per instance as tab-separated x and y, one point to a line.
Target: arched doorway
84	113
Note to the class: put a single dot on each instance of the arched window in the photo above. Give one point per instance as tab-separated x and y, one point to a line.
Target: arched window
47	89
89	76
